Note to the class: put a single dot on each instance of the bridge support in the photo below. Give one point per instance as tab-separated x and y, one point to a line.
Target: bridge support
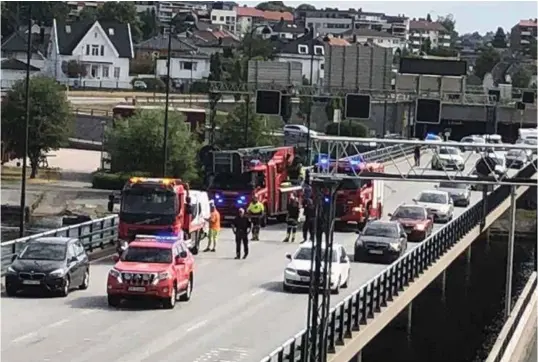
510	254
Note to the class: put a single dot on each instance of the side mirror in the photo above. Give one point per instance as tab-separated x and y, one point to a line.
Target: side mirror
415	201
436	186
358	232
183	255
13	258
288	256
389	215
115	258
179	260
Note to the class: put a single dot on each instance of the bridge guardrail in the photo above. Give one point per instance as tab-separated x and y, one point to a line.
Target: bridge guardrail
350	314
93	234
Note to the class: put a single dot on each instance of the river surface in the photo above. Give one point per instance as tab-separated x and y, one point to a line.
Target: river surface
461	325
11	231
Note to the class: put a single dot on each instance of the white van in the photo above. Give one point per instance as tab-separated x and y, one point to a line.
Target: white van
526	133
200	212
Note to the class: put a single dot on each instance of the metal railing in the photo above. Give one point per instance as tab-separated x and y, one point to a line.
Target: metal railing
94	234
353	312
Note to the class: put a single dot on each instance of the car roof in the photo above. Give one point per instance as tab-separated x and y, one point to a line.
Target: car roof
310	245
53	240
412	205
152	244
382	222
434	192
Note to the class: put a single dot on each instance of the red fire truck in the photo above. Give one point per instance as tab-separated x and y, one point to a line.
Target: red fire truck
155	206
235	176
357	200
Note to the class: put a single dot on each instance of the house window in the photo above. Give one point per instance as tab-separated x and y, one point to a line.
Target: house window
117	72
95	49
102	50
322	66
88	49
95	35
318	50
222	18
214	18
95	71
105	71
303	49
187	66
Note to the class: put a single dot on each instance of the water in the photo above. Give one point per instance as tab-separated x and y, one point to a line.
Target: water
38	225
462	326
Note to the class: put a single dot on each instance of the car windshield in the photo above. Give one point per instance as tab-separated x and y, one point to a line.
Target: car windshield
147	255
306	254
448	151
233	181
149	201
452	185
515	153
44	251
381	230
433	198
410	212
531	141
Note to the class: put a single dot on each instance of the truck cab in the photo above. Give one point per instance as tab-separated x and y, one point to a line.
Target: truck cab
236	176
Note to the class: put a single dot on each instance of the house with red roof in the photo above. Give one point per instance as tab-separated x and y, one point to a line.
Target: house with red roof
248	17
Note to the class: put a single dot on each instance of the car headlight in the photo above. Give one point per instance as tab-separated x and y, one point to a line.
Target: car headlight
57	273
358	243
291	271
114	273
419	227
395	246
161	276
11	270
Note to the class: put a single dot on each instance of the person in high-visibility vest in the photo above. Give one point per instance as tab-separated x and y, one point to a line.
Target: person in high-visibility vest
255	212
214	228
292	218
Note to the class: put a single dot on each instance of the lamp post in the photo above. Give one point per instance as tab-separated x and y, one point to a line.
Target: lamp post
266	30
26	125
188	20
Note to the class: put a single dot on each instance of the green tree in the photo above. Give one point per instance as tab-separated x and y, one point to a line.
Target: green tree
532	48
306	7
88	13
449	23
135	145
74	69
122	12
255	47
521	78
274	6
15	13
332	104
50	119
429	18
305	103
443	52
149	24
486	61
499	40
232	130
347	128
426	46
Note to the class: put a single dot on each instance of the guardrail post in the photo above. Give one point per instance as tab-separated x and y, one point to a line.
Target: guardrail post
405	271
396	282
378	295
341	324
291	355
304	346
91	237
387	287
357	311
102	235
364	312
371	301
349	318
113	228
331	333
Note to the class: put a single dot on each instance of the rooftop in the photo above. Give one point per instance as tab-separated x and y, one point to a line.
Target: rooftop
426	25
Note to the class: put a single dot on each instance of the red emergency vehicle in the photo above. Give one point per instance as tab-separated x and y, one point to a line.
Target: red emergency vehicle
157	206
357	200
235	176
160	268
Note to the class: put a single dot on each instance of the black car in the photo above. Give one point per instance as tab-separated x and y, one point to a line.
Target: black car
49	264
381	239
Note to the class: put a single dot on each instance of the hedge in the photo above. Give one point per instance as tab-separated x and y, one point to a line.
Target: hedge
113	181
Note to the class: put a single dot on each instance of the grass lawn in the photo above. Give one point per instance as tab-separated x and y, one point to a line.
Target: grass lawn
44	175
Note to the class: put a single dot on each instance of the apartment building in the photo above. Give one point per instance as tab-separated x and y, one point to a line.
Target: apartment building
76	7
380	38
420	30
522	35
227	19
166	10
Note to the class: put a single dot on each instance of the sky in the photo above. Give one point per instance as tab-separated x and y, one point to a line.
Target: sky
470	16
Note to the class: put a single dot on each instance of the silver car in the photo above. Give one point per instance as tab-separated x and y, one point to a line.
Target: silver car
459	192
438	203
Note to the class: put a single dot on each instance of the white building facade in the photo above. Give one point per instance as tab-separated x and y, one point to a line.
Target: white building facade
225	18
187	68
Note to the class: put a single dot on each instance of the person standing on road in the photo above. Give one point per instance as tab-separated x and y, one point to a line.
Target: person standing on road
255	211
241	228
292	219
417	156
214	228
310	218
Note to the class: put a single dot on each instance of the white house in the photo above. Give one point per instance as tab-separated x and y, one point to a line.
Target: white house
380	38
186	68
13	70
103	49
307	51
226	18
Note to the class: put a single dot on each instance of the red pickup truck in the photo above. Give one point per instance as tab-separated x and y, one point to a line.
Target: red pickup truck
160	268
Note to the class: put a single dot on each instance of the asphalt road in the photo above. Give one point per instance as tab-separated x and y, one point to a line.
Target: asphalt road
238	311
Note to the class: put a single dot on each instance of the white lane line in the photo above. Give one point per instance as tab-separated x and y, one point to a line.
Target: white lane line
197	325
24	337
258	292
89	311
59	323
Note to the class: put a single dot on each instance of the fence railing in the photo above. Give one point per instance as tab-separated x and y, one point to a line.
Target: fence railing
94	234
353	312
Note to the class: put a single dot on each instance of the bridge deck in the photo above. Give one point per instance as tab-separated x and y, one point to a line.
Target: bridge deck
238	311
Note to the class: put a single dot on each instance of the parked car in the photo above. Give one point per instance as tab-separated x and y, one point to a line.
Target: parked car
298	270
415	220
49	264
459	192
381	239
438	203
139	84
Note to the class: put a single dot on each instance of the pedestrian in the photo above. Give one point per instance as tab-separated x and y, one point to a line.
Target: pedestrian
214	228
241	228
417	156
310	218
292	219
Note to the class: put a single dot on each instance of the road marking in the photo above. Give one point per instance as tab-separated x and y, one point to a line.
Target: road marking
257	293
89	311
59	323
24	337
197	325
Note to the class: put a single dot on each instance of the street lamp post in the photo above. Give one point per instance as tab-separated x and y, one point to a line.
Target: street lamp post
27	123
265	30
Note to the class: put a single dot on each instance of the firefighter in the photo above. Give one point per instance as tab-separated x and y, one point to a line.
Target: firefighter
310	217
214	228
241	228
255	212
416	152
292	219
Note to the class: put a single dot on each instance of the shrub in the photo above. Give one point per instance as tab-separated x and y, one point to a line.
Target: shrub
112	181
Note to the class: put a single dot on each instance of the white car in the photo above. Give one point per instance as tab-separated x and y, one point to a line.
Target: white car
298	130
472	139
297	272
448	157
500	161
438	203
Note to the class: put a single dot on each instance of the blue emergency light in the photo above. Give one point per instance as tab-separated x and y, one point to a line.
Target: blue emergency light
164	237
242	200
218	199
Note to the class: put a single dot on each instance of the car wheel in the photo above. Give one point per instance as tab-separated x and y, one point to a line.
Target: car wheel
336	290
66	287
10	290
114	301
188	291
85	281
356	256
346	284
170	301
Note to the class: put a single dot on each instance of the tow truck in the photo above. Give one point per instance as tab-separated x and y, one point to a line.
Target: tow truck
238	175
156	206
357	200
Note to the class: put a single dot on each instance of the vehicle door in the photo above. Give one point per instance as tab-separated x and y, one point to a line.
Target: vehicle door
345	264
74	266
82	257
182	269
